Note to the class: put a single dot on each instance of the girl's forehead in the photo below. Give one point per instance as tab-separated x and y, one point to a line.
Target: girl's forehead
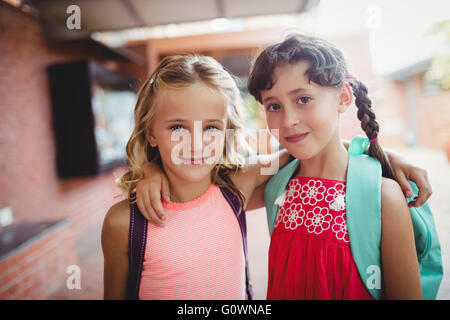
289	77
288	72
193	102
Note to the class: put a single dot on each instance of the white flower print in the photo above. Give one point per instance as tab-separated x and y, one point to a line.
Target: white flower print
293	216
336	197
312	192
293	191
339	203
318	220
281	199
340	228
294	183
280	216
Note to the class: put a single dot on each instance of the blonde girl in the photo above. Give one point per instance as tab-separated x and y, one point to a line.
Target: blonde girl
201	253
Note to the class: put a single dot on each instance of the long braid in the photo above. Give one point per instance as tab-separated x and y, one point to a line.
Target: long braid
370	126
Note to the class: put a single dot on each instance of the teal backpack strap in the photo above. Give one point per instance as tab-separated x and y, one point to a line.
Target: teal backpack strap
363	209
427	246
275	187
363	202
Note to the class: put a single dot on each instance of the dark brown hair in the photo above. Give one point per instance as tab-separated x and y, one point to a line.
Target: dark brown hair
328	68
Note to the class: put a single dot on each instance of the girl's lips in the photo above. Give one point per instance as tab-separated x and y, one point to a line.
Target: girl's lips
193	161
296	137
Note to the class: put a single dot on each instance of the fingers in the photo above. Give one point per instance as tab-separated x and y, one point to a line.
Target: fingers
158	211
140	199
165	189
149	204
144	207
420	177
404	184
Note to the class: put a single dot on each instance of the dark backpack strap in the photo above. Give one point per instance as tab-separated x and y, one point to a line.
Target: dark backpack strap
235	202
136	249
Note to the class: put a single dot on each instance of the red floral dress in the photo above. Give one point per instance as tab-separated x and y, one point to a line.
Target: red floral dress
310	255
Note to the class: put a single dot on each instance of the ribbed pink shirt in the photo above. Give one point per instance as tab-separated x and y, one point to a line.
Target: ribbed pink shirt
198	254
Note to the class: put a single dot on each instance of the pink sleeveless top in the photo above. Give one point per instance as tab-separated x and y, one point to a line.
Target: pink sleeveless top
310	255
198	254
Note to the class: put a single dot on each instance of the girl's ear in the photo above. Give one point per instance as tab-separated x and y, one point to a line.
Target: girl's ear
151	139
345	98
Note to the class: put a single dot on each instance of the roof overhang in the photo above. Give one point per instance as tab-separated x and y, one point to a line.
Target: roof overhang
110	15
410	70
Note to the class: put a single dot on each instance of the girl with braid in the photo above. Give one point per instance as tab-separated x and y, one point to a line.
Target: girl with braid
304	86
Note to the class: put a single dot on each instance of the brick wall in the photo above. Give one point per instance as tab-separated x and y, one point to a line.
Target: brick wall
35	271
432	114
28	180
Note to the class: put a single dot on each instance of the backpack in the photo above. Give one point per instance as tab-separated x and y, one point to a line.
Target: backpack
363	207
138	235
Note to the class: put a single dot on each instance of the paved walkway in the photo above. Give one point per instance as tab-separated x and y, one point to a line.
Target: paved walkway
91	258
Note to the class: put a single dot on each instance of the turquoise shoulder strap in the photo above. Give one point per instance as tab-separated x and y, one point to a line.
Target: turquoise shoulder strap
363	200
428	247
363	207
275	187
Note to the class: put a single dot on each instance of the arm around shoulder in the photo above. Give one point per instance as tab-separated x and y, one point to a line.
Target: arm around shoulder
252	179
398	250
115	250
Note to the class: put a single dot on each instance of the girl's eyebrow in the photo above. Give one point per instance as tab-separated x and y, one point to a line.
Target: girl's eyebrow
298	90
182	120
292	92
214	120
175	120
268	99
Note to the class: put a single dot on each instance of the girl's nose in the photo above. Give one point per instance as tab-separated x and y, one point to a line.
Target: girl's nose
290	119
197	142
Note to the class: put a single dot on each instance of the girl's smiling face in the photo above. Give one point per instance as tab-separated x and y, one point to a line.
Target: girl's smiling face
305	114
189	130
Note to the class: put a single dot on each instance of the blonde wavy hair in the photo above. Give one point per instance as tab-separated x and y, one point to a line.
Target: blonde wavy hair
177	72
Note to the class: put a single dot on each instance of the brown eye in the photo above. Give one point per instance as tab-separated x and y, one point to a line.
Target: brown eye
273	107
303	100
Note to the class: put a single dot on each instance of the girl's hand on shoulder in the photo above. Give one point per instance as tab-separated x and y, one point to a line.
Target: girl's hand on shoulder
404	171
149	191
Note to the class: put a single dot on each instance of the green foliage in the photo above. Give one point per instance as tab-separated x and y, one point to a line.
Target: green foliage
251	106
439	71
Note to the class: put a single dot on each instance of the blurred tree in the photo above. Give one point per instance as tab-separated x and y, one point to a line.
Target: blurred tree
252	106
439	71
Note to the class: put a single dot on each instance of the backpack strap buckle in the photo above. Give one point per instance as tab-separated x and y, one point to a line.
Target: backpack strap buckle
358	145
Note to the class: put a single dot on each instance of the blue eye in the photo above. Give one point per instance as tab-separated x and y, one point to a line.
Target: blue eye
210	128
273	107
176	127
303	100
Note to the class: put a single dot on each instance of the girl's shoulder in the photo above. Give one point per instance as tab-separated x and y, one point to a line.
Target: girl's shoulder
393	202
116	224
391	190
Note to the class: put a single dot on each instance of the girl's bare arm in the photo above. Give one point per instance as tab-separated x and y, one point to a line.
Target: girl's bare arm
398	251
150	190
258	172
259	169
115	250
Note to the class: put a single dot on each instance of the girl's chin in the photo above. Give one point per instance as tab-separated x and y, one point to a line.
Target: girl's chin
301	154
195	177
192	172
